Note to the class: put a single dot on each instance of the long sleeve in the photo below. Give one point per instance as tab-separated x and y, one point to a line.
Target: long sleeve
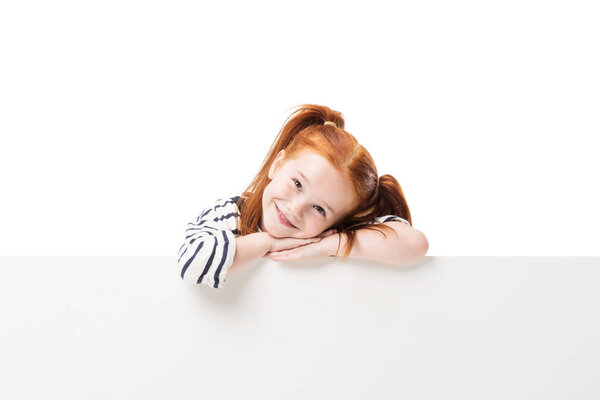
387	218
209	245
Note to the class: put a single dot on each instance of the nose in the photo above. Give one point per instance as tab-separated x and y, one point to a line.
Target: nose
296	208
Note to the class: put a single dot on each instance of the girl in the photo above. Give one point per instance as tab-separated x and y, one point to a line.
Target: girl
316	192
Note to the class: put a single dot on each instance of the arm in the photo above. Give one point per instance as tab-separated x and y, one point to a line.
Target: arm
403	246
250	247
210	258
209	246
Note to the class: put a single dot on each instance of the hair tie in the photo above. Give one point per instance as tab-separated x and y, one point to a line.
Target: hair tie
330	123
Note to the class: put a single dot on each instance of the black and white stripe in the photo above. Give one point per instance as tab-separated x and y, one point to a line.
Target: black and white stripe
387	218
209	246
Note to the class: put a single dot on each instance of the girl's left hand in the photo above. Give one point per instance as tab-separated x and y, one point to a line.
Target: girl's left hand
323	248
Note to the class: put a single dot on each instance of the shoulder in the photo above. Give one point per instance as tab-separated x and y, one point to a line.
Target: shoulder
224	201
226	207
388	218
221	214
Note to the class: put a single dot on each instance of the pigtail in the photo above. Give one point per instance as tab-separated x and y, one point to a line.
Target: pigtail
387	199
391	198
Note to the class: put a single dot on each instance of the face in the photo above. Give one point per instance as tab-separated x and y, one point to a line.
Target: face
309	192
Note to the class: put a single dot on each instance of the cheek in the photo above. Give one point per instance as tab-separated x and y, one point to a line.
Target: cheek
314	224
285	188
266	193
276	190
267	196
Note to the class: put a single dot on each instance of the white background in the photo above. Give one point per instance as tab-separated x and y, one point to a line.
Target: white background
121	120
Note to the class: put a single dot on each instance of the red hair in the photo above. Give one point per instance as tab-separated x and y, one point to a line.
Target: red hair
303	131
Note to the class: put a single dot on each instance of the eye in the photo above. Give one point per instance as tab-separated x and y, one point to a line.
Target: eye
323	210
297	181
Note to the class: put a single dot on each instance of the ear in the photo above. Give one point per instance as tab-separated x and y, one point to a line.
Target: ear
276	163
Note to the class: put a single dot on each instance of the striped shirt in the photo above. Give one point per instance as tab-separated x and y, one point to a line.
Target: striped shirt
209	245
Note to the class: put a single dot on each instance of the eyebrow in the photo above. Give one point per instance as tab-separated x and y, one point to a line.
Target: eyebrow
307	181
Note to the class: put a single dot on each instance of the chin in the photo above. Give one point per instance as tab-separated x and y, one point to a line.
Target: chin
281	231
277	233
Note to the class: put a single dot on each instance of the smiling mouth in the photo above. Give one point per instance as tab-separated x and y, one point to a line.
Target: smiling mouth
284	218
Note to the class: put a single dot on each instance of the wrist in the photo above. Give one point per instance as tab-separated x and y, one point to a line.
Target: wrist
267	242
331	243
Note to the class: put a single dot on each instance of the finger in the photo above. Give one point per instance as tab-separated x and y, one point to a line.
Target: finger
327	233
302	242
280	252
277	257
283	257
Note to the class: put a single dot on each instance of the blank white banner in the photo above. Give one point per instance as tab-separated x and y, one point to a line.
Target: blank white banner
444	327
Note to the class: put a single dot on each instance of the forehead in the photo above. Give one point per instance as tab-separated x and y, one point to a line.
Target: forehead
314	163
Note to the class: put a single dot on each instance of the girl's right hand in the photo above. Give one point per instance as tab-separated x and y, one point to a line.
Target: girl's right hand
286	243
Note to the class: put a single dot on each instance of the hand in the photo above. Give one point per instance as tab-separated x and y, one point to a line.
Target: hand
286	243
316	249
